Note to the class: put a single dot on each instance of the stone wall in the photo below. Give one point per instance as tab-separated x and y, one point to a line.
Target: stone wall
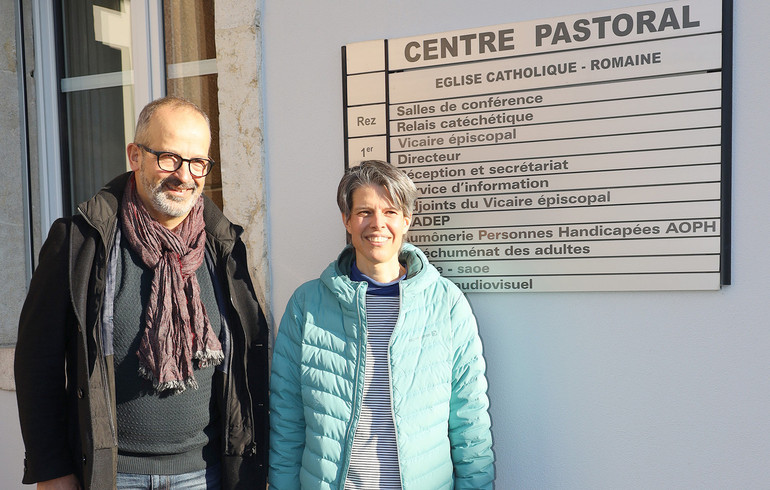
238	40
13	277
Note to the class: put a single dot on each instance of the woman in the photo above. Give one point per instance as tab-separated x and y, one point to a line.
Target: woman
378	375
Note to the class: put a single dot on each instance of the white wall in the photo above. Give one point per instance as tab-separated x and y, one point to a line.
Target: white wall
588	390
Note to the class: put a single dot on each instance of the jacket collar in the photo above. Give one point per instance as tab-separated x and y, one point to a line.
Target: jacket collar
101	211
420	274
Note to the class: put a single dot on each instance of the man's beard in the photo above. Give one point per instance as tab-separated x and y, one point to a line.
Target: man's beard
169	205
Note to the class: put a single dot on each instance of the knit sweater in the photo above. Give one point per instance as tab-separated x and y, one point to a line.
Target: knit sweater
157	433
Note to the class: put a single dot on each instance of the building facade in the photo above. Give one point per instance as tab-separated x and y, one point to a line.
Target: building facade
659	389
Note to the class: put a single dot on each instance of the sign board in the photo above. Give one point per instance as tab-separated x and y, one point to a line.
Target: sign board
580	153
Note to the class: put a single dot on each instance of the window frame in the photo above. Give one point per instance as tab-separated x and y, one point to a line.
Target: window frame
147	76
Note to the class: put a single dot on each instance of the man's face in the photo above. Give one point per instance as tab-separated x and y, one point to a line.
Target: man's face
377	228
169	196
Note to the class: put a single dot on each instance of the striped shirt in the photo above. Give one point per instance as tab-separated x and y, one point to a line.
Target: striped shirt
374	457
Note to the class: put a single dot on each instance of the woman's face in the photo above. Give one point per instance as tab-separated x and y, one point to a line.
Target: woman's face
377	228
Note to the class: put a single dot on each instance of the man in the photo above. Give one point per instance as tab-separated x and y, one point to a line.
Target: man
142	349
378	375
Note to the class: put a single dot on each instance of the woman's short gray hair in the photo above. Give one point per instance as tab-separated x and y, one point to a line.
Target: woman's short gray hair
400	189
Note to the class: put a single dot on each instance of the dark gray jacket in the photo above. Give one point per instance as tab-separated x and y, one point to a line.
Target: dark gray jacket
65	385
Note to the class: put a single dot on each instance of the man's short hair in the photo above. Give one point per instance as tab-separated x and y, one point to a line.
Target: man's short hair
400	189
141	135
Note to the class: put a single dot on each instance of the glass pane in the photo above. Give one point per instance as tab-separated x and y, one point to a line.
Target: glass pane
97	37
191	69
98	93
189	31
97	143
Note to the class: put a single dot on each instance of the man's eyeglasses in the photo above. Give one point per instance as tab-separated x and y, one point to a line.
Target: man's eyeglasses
170	162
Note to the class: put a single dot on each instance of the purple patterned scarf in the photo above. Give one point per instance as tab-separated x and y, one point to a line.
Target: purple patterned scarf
177	329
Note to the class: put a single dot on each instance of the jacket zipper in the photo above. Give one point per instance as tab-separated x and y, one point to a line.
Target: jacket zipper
226	395
390	384
355	402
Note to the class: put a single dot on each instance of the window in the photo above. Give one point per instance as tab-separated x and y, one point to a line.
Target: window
97	88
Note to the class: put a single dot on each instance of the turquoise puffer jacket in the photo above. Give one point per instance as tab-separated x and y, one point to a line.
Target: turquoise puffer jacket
438	386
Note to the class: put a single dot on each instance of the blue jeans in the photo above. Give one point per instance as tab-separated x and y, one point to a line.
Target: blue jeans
208	479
